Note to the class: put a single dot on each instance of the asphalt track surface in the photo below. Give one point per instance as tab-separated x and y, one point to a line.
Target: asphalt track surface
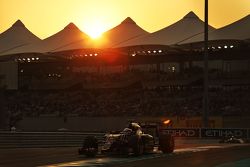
196	155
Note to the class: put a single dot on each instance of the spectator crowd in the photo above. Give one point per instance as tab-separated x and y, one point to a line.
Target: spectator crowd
137	99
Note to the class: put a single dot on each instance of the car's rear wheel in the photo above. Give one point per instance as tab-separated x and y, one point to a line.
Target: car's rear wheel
166	143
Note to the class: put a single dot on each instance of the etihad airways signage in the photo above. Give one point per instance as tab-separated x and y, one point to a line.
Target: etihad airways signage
218	133
208	133
182	132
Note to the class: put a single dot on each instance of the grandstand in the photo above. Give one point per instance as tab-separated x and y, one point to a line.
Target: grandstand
127	82
167	82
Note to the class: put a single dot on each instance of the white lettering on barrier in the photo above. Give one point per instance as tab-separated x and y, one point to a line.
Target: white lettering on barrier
182	133
207	132
221	133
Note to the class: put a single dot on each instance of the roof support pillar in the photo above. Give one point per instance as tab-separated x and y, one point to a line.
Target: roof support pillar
205	97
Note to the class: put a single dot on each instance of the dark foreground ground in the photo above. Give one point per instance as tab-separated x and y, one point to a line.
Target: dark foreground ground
210	158
48	156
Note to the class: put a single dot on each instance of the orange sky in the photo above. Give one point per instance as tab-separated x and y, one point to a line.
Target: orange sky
46	17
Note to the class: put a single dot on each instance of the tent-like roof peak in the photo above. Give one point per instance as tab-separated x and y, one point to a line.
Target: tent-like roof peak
128	20
18	23
71	26
191	15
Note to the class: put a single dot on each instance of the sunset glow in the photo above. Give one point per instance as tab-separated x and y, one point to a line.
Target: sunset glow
46	17
95	30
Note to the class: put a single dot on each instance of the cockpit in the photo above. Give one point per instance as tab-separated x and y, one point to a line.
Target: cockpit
135	127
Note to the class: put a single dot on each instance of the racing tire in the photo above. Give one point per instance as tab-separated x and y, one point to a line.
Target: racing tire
90	146
166	143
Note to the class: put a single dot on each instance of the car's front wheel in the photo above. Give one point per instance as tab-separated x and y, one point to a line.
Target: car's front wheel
90	146
138	147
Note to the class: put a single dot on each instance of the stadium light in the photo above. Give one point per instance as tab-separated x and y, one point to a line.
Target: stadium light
205	97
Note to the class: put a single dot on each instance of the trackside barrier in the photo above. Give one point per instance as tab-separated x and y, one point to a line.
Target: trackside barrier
219	133
43	139
183	132
206	133
75	139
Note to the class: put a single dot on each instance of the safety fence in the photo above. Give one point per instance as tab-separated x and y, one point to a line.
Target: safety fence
75	139
43	139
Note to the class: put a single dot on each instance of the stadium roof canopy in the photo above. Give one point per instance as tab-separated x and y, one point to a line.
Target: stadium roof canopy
16	37
69	35
71	38
125	31
189	26
188	31
65	40
239	30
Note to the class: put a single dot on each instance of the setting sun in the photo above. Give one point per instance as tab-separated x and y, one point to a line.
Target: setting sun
95	30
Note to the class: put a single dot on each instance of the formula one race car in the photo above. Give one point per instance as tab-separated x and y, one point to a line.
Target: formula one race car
132	140
231	139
